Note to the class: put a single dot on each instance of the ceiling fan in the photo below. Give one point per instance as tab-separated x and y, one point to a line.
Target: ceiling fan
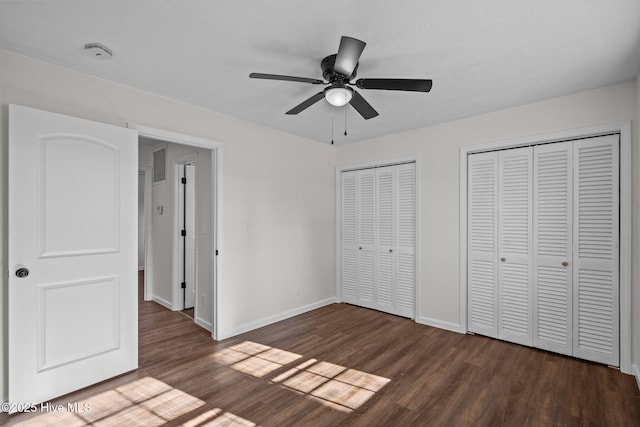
339	70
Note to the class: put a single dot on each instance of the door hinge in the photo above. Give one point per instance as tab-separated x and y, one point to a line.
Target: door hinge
216	252
183	233
183	285
184	180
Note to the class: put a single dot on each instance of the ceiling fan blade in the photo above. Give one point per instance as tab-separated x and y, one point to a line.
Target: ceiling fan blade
362	106
286	78
411	85
348	55
306	104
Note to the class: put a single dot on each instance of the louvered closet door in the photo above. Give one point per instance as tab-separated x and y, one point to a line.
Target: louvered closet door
515	246
385	242
482	243
395	239
596	249
366	225
564	289
379	238
349	236
552	308
405	240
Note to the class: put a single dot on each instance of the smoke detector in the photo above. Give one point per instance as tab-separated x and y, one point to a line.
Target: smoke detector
98	51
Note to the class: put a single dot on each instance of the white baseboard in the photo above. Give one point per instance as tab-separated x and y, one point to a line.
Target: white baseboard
203	323
163	302
275	318
454	327
636	373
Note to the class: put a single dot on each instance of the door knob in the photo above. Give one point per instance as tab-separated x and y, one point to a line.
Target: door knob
360	247
565	263
503	259
390	250
22	272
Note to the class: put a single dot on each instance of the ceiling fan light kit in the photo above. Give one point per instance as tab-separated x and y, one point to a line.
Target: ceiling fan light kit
339	70
338	96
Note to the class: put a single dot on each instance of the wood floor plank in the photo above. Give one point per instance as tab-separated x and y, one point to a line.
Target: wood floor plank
349	366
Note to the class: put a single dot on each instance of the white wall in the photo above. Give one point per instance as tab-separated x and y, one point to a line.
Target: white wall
438	147
279	196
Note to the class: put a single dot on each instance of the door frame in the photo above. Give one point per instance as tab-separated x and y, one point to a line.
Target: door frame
148	236
217	155
177	303
368	165
622	128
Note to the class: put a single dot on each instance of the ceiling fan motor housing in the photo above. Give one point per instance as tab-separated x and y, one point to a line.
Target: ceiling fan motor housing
330	75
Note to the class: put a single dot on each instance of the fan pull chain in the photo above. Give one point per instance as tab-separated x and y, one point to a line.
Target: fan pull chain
332	129
345	120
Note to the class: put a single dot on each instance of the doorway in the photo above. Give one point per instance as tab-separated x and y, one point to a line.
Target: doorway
165	265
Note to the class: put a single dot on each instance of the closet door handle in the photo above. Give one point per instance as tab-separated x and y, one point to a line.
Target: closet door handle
359	248
503	259
565	263
390	250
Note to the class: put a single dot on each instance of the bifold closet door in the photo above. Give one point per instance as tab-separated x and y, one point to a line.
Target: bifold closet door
576	249
543	246
553	189
596	213
395	239
515	244
378	238
366	236
358	217
500	245
349	255
483	243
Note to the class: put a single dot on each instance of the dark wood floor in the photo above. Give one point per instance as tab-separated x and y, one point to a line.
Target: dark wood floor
344	365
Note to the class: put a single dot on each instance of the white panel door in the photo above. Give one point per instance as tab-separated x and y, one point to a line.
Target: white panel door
349	242
405	240
515	243
483	243
73	225
596	249
552	278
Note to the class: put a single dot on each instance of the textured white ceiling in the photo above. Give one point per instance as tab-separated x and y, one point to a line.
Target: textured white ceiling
482	55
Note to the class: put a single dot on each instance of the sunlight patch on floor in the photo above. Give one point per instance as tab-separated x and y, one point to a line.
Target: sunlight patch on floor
332	385
254	359
217	418
144	402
